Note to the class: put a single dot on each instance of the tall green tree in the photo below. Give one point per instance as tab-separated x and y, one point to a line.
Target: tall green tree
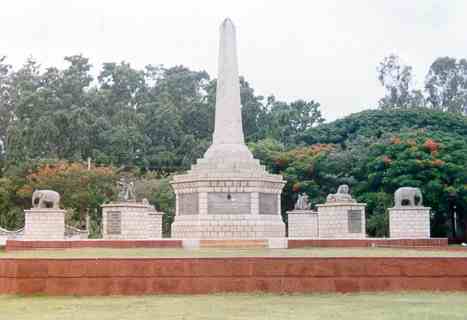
446	85
397	80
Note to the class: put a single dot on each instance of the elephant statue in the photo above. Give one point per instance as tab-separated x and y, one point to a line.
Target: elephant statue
408	197
45	199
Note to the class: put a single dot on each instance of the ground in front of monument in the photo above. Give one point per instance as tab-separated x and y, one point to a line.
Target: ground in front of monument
382	306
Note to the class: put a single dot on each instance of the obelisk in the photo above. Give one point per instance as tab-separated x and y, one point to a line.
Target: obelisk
228	141
227	194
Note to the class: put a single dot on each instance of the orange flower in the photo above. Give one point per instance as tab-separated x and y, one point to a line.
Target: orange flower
431	145
396	140
438	162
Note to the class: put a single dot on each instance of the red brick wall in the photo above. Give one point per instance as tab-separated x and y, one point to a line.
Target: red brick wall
433	242
14	245
209	275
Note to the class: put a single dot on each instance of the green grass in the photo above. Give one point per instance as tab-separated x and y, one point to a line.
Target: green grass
398	306
305	252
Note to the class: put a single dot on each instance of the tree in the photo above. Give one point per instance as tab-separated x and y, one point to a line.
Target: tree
288	121
397	80
82	190
6	112
446	85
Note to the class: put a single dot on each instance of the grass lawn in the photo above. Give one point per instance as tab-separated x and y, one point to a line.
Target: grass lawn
211	252
398	306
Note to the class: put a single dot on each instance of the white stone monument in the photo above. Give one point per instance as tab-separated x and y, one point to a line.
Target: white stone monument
227	194
45	221
302	221
409	219
341	217
131	221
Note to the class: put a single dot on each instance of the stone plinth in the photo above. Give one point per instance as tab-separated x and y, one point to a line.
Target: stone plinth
303	224
130	221
211	205
409	222
44	224
341	220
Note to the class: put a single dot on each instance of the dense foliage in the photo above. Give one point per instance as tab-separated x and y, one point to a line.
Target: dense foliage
157	121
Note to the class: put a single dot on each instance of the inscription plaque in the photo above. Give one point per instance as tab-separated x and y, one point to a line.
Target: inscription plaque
355	221
114	222
267	203
229	203
188	203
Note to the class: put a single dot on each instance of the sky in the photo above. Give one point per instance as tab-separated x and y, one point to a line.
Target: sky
326	51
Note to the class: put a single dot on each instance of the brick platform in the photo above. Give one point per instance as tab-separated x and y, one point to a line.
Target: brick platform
15	245
210	275
377	242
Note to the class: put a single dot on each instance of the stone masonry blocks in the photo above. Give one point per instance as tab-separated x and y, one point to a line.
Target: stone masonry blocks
303	224
130	221
409	222
337	220
44	224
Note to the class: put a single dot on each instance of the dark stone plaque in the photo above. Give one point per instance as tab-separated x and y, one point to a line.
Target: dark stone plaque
114	222
188	203
229	203
267	203
355	221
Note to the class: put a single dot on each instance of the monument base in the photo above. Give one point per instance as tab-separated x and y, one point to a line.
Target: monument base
44	224
409	222
228	227
341	220
303	224
130	220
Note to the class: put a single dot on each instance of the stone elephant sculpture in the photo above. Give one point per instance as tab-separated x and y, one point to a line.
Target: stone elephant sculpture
408	197
45	199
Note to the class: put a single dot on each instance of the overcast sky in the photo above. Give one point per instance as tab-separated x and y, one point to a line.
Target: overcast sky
322	50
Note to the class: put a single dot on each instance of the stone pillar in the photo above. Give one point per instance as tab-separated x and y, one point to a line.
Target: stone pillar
44	224
409	222
303	224
341	220
254	203
131	221
203	203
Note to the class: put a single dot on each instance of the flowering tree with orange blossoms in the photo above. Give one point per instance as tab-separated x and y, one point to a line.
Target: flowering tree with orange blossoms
81	190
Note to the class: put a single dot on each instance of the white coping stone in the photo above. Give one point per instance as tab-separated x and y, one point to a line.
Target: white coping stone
278	243
190	243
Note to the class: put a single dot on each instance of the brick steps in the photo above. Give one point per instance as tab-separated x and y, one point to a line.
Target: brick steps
234	244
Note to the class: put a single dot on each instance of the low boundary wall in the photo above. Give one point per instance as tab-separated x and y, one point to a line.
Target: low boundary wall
369	242
210	275
17	245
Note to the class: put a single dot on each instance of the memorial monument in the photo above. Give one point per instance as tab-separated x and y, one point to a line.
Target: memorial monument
128	219
227	194
45	220
302	221
341	216
409	218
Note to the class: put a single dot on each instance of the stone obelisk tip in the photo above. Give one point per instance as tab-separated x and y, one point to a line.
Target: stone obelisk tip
228	130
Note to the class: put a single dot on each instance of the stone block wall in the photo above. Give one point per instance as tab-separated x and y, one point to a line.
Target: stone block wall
303	224
44	224
227	226
409	222
341	220
130	221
